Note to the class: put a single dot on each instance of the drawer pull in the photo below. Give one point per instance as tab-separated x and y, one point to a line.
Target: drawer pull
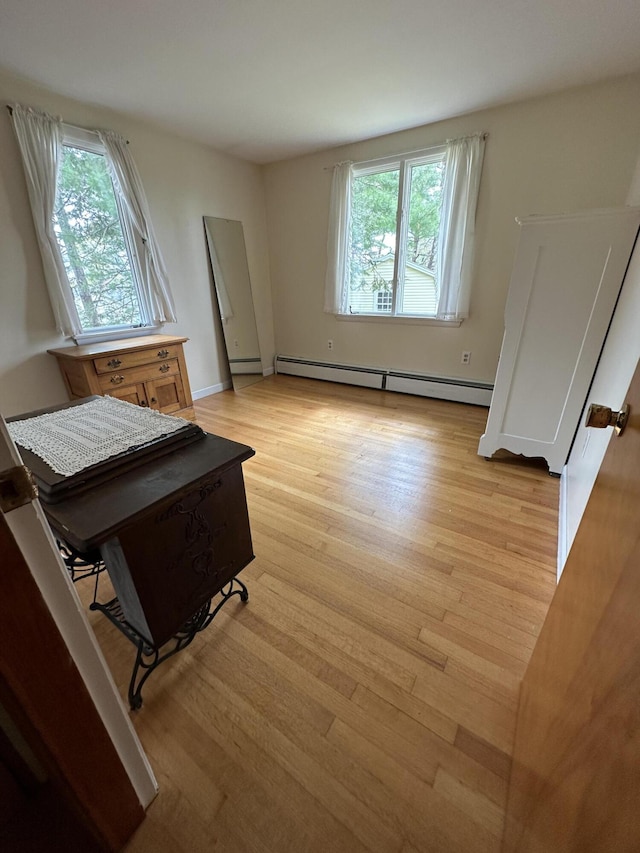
163	368
163	353
117	379
143	403
115	362
153	400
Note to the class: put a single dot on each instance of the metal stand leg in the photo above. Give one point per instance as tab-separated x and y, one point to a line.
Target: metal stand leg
148	656
81	565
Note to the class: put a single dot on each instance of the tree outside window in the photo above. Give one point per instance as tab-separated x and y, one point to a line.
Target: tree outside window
393	242
89	231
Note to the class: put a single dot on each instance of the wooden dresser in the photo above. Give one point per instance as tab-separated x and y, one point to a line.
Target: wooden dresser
147	371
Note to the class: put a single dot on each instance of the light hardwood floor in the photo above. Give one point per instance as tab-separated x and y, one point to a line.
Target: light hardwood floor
364	699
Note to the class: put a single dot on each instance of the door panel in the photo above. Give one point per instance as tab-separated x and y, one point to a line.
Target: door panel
166	394
575	782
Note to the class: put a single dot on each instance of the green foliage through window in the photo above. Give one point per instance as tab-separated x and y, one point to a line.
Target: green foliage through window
89	232
395	219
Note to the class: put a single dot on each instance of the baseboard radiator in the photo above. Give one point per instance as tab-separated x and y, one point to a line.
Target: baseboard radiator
245	365
444	388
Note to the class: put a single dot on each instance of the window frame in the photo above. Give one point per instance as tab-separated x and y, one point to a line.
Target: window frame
403	163
89	140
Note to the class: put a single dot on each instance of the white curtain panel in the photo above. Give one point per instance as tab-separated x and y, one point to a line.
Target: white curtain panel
128	186
336	289
40	141
463	167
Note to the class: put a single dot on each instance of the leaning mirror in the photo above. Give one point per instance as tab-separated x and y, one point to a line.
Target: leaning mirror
230	271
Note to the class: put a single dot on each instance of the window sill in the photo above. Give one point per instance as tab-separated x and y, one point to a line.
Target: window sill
114	334
409	320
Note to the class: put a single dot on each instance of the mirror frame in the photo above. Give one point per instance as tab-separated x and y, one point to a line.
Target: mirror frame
230	272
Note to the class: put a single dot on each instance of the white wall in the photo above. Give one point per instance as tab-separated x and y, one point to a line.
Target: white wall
183	181
571	151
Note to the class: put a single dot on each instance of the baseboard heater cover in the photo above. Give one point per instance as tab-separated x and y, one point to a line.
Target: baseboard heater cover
245	365
441	387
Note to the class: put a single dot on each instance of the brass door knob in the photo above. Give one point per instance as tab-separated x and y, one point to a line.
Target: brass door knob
164	368
163	353
115	362
601	417
117	379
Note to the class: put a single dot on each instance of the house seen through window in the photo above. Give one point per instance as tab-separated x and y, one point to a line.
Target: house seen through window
93	242
393	239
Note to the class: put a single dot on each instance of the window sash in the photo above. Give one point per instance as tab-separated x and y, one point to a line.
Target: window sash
87	140
40	140
404	165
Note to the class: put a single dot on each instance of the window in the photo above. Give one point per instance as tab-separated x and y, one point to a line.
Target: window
401	233
384	300
393	238
102	264
93	240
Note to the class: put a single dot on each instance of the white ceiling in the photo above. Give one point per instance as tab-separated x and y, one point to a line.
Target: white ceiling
269	79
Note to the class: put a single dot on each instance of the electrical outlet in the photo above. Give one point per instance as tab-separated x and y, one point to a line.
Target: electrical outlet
329	344
466	357
236	344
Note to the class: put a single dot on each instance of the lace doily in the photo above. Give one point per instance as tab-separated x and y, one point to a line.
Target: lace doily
76	438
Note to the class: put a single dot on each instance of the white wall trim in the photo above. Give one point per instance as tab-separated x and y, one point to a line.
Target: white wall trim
223	386
211	389
390	319
562	522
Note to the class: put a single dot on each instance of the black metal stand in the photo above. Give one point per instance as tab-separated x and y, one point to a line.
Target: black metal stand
80	565
148	657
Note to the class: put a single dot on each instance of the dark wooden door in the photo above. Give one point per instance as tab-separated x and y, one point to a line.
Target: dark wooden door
45	695
575	782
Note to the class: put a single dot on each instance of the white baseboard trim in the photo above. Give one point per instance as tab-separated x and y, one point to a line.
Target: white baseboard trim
212	389
562	522
223	386
441	387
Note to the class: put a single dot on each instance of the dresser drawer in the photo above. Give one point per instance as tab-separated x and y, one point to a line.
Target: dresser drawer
144	373
125	360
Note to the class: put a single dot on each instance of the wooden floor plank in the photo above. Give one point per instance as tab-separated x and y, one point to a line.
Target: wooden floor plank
419	811
364	698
